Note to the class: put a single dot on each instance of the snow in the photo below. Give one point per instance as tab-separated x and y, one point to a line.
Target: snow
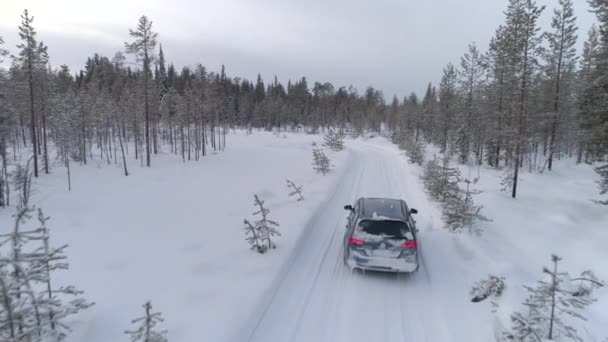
173	234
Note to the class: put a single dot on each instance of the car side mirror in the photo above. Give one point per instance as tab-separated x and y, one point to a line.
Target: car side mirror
349	207
413	211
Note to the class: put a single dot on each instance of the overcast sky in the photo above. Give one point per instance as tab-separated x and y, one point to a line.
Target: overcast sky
396	46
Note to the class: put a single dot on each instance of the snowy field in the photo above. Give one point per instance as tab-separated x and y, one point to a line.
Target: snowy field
173	234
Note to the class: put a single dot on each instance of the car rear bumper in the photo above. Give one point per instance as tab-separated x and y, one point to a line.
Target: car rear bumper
396	265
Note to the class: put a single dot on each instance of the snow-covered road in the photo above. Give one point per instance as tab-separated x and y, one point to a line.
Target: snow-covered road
316	298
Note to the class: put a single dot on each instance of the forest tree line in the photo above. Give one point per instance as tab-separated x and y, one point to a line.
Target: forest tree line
526	100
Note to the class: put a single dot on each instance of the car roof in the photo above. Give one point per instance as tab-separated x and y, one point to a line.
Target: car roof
383	208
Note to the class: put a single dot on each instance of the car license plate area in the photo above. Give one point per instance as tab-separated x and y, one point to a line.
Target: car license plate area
385	253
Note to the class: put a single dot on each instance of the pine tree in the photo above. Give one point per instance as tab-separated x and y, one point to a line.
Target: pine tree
603	182
296	190
594	100
441	181
334	140
459	210
321	162
252	236
146	331
260	233
493	286
22	182
51	304
469	130
546	306
143	48
32	57
524	17
3	52
561	59
447	106
586	95
414	148
20	297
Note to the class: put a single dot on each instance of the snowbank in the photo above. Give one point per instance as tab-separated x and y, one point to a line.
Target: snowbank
174	233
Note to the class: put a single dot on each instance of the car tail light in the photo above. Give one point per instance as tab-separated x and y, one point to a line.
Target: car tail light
355	242
410	244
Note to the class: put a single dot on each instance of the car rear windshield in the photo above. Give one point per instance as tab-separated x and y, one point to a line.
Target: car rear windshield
393	229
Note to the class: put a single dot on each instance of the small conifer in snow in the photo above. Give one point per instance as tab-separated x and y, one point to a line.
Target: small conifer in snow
414	148
52	304
603	182
146	330
321	162
549	306
260	233
295	190
493	286
440	181
22	182
459	209
34	308
251	235
334	141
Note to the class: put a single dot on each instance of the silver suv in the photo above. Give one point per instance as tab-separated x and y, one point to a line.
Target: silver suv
381	236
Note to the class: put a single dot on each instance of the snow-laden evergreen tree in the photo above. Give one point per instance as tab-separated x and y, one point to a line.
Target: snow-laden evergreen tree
492	286
561	63
334	140
470	126
550	308
3	52
52	300
13	308
321	162
447	106
26	320
295	190
459	209
522	16
414	148
252	236
34	308
440	181
266	227
603	182
260	233
31	59
146	330
22	182
586	97
143	48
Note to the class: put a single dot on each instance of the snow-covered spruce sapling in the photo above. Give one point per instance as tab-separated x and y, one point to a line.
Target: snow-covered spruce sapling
321	162
52	305
334	141
15	308
295	190
265	227
41	313
492	286
549	306
17	277
441	182
414	148
251	235
603	182
459	209
146	330
22	183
